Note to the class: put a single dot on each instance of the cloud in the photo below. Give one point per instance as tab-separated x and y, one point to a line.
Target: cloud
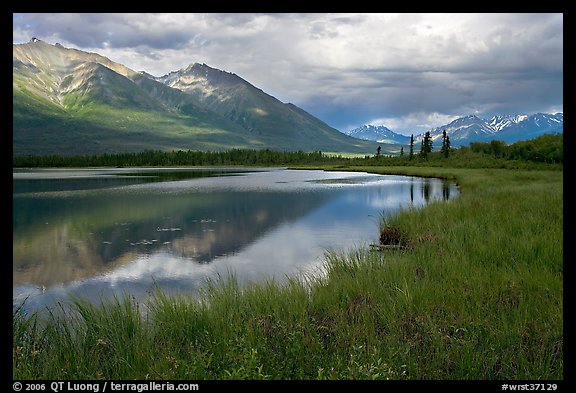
345	68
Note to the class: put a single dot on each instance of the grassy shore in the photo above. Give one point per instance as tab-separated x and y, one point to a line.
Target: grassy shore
476	295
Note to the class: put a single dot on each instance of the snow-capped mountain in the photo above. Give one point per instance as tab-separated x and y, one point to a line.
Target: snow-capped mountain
532	127
506	128
462	131
465	128
380	134
500	122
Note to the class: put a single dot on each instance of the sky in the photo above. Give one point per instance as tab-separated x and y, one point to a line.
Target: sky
410	72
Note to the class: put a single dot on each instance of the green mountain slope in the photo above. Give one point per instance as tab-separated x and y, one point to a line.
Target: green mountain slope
267	118
67	101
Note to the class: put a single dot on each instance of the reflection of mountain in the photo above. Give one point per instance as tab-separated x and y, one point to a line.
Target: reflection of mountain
60	239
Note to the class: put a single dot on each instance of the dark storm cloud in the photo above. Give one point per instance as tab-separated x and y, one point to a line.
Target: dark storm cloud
89	30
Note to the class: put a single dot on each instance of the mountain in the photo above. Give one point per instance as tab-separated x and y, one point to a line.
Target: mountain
462	131
67	101
500	122
262	115
507	128
380	134
530	127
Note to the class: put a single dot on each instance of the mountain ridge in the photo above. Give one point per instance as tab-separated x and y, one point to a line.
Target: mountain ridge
68	101
74	102
471	128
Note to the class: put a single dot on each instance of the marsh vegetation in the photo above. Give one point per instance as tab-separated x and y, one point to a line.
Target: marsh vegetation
477	295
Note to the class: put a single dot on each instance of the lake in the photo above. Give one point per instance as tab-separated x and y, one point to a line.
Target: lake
99	233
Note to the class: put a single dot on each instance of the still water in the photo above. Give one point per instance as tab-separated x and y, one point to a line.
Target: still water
100	233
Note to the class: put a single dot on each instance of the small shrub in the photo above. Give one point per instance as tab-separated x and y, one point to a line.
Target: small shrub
393	236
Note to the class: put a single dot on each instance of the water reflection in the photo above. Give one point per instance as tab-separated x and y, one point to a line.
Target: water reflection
125	233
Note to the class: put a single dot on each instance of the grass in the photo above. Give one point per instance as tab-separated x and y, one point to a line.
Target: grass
477	295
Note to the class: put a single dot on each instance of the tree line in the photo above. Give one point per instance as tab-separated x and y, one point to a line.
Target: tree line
546	149
264	157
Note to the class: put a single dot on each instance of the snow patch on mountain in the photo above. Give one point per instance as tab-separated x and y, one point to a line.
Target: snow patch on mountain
471	128
380	134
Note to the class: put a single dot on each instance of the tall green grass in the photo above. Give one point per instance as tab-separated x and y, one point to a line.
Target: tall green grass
476	295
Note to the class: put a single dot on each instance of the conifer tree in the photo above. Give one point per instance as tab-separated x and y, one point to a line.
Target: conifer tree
445	144
426	145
